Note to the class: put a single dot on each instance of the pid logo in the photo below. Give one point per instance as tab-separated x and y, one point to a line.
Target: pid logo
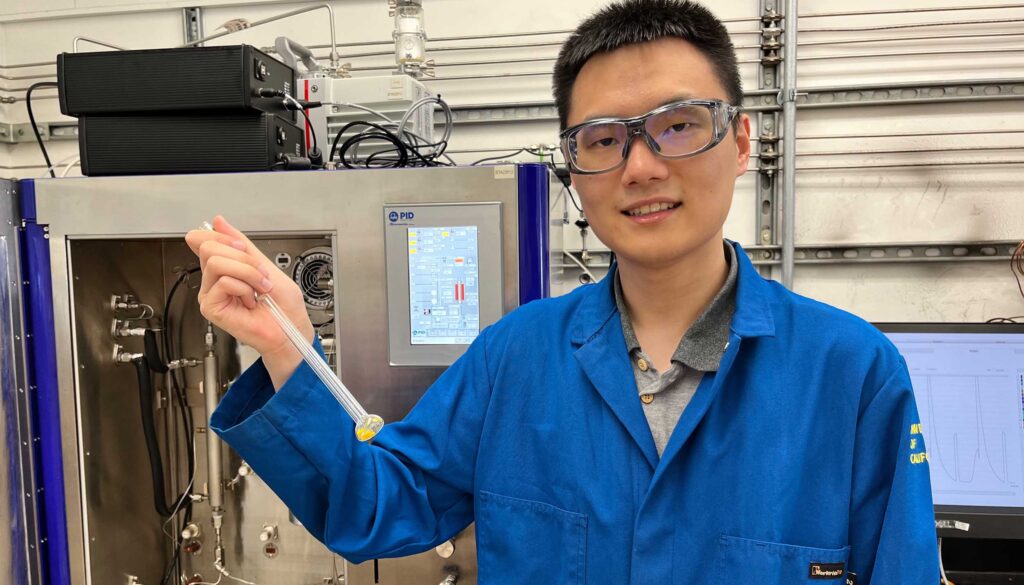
403	216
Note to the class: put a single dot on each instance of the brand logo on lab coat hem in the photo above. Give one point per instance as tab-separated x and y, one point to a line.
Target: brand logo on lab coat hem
827	570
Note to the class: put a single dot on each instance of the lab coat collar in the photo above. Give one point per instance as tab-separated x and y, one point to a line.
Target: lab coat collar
752	318
601	351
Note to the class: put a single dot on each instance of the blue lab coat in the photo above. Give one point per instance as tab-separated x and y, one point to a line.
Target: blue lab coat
801	455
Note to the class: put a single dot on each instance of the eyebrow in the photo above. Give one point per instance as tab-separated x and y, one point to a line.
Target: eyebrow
677	98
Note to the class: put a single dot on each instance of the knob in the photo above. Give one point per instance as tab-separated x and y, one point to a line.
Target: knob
190	531
445	550
268	533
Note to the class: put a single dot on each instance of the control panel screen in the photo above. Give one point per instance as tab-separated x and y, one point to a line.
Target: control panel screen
444	285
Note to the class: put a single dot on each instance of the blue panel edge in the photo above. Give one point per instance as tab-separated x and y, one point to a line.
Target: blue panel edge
534	232
41	351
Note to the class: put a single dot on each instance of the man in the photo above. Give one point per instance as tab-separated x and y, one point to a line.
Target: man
682	421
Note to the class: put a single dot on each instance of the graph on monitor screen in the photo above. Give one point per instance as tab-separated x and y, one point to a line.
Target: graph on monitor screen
969	396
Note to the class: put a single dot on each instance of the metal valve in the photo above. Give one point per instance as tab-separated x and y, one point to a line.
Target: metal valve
125	302
123	357
123	328
268	533
453	576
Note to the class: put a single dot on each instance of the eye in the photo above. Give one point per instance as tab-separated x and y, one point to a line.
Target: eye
677	128
603	142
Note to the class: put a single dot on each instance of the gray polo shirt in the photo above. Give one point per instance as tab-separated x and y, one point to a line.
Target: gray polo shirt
665	395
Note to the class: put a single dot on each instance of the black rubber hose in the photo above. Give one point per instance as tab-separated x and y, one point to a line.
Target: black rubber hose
152	353
149	432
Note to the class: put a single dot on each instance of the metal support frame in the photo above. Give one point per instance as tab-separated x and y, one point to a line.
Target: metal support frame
767	100
767	185
15	133
21	557
846	254
787	99
192	20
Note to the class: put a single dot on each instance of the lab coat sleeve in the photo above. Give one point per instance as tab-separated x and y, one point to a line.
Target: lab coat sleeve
406	492
892	523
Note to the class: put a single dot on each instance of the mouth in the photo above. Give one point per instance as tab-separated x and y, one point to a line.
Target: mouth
648	210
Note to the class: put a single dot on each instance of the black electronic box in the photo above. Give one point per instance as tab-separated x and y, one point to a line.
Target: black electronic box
195	143
211	79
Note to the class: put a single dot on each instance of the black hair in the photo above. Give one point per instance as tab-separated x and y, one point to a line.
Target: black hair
630	22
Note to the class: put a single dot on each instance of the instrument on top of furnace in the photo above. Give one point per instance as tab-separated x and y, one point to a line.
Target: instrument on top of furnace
367	425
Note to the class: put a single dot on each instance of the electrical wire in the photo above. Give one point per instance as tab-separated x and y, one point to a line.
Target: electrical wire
309	123
188	424
1005	319
942	570
64	173
401	148
32	120
53	167
572	197
1017	265
497	158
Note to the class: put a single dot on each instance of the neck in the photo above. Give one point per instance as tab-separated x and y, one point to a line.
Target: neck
669	298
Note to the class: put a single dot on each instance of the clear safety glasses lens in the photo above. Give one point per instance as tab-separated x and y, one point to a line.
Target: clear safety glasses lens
675	132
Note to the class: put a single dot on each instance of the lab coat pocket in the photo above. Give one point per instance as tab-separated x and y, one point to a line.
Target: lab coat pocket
523	541
755	562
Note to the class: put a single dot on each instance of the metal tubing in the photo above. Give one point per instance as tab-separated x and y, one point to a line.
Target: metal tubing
914	25
906	134
914	165
909	151
789	81
911	10
542	59
211	388
909	38
74	45
915	53
283	15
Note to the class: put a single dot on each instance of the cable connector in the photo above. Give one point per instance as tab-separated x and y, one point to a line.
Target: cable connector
316	158
290	162
295	104
267	92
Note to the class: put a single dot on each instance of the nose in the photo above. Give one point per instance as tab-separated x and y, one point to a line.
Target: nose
643	166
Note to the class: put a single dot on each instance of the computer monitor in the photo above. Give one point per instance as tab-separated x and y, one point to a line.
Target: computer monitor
968	382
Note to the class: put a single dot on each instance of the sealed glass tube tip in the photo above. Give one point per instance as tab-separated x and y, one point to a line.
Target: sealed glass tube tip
368	427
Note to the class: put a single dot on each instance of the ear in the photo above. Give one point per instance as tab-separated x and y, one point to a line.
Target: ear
742	144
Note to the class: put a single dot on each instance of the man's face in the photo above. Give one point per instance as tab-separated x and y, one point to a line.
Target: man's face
632	81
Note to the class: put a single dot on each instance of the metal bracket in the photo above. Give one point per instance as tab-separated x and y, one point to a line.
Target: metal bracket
883	253
788	95
15	133
192	19
911	252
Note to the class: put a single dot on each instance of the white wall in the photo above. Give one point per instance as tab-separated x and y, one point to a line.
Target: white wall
924	204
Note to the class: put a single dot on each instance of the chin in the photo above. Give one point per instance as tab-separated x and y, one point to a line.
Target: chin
657	255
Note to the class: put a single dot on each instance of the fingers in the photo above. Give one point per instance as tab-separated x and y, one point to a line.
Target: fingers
212	248
219	267
226	291
222	226
196	238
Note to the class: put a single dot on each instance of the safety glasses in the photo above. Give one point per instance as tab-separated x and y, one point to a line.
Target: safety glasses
677	130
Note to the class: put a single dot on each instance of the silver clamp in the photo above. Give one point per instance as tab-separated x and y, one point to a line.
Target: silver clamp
788	95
